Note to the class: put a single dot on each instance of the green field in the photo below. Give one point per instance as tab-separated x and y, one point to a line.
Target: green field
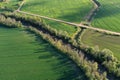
108	17
60	9
68	10
93	38
61	27
24	56
10	4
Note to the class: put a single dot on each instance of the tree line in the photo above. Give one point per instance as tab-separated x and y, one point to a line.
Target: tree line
104	57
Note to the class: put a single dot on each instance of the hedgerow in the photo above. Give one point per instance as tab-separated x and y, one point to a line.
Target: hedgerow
11	23
104	57
90	68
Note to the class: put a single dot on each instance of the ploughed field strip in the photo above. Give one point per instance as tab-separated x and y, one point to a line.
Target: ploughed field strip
93	39
67	10
108	16
27	57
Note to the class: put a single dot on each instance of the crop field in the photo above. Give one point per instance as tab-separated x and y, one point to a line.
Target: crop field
68	10
27	57
54	39
108	17
93	38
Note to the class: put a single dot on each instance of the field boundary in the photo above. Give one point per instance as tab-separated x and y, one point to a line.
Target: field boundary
73	24
96	4
92	12
89	52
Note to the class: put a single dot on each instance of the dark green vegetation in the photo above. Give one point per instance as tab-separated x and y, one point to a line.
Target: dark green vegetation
24	56
94	62
103	41
108	16
90	68
68	10
104	57
55	39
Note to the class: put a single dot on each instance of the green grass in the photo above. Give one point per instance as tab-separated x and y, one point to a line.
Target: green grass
68	10
93	38
11	4
61	26
24	56
108	17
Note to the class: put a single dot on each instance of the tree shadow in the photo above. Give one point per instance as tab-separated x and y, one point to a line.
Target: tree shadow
65	66
76	16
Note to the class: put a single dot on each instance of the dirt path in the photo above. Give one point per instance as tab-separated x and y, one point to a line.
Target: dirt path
73	24
20	5
88	17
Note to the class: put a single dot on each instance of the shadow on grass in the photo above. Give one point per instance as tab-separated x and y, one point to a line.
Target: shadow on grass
107	11
65	67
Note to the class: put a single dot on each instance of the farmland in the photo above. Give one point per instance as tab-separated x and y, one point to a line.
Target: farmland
27	57
103	41
10	5
73	12
60	9
61	27
108	16
59	40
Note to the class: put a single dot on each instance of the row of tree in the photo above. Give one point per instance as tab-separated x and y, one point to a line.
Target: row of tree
104	57
11	23
89	68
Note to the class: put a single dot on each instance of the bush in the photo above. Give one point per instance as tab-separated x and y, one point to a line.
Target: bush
104	57
12	23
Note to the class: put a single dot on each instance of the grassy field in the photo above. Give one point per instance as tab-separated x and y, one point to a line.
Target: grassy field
93	38
61	27
68	10
11	4
24	56
60	9
108	16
